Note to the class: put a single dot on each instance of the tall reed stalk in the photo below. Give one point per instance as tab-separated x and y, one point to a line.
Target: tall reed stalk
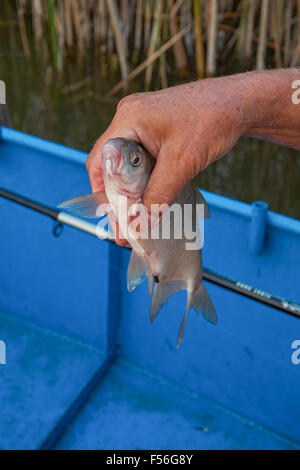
179	51
250	23
153	40
263	30
120	43
128	33
212	20
199	38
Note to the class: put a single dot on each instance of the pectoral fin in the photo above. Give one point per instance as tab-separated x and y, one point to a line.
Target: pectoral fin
85	206
136	272
139	269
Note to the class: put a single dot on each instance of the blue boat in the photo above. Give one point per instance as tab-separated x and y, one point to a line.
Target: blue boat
82	367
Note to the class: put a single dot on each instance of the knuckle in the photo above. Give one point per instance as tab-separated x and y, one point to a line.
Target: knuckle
128	100
121	103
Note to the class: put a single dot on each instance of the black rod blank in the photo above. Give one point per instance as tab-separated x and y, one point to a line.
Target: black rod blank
252	292
34	205
239	287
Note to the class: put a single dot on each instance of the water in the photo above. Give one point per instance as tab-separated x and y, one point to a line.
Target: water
41	104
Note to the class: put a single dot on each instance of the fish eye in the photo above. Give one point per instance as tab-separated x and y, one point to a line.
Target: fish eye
135	159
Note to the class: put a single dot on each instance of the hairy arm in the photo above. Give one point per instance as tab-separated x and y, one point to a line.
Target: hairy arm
188	127
273	106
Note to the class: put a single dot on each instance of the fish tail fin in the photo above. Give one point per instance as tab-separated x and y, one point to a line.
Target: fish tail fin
200	300
162	292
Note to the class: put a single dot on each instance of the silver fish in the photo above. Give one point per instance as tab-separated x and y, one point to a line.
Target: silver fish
126	169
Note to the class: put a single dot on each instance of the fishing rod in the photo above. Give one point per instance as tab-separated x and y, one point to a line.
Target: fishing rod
59	216
63	218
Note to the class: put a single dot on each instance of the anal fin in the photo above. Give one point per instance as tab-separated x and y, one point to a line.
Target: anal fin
162	291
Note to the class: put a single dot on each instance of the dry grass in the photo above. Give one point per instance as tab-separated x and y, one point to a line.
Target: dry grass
225	35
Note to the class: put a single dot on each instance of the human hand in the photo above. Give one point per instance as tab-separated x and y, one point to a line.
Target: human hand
185	128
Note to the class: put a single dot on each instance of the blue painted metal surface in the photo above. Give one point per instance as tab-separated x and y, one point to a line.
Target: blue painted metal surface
44	372
258	227
236	379
151	413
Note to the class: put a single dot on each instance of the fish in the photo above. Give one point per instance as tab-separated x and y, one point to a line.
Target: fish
126	168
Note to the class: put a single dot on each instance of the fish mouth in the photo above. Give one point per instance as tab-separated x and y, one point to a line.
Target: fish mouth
111	166
111	158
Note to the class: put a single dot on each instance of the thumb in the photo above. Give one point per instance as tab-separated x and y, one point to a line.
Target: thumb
166	181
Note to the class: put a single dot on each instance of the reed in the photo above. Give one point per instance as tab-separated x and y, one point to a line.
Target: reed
124	34
199	38
250	24
263	31
276	29
55	42
21	5
287	32
212	24
119	38
138	30
296	43
242	28
179	51
153	40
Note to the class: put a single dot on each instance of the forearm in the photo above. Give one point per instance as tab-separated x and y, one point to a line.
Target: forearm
270	107
188	127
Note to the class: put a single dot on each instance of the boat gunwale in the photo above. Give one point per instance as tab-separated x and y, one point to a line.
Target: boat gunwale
217	201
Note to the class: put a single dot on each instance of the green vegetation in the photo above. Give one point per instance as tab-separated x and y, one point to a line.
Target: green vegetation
162	39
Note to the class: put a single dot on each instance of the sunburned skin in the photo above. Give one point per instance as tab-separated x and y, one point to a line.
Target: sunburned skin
188	127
